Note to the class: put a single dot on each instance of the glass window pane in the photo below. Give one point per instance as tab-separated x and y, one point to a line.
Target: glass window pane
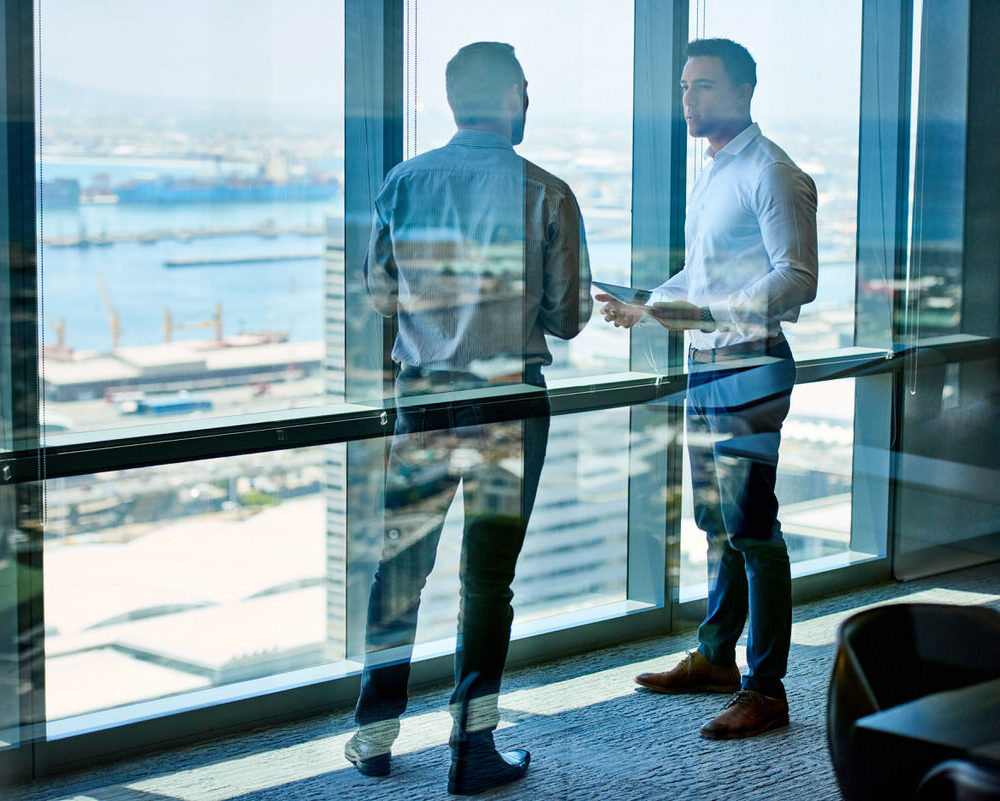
187	197
813	488
575	550
163	580
577	60
571	560
807	101
174	578
947	510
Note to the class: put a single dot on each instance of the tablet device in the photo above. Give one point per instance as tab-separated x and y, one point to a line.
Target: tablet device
625	294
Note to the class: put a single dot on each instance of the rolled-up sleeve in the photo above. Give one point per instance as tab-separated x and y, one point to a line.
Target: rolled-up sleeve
784	201
566	304
381	274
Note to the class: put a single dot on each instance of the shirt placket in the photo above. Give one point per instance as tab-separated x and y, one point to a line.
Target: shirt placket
699	205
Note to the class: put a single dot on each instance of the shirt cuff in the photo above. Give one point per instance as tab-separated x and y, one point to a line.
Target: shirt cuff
721	314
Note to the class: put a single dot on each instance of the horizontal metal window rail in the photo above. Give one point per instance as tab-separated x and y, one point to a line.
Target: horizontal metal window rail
80	454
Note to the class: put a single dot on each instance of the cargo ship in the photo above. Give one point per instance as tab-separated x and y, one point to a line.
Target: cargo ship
60	193
226	189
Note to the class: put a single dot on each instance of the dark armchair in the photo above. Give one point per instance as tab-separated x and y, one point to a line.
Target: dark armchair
891	655
961	780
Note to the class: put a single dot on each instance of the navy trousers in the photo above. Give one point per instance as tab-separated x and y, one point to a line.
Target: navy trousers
433	450
734	418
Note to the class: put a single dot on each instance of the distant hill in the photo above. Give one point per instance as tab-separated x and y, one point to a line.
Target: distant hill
59	97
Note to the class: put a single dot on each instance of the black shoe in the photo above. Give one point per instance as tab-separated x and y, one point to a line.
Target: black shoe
476	765
473	771
377	765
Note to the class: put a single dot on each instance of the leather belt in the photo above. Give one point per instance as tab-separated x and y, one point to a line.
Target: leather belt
754	347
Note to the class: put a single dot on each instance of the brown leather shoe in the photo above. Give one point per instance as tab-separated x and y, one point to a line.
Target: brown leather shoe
747	713
694	674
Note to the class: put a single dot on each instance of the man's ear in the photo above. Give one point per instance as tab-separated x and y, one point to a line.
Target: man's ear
512	99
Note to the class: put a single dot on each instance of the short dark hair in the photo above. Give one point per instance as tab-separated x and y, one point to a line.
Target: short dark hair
477	77
736	59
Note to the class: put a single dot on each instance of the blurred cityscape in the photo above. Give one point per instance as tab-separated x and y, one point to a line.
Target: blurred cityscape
192	272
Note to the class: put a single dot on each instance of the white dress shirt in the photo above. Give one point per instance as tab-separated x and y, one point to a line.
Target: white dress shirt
750	242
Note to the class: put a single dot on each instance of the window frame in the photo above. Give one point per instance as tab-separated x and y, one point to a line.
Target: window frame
374	92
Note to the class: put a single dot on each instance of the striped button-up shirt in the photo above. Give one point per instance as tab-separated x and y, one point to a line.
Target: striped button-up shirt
480	253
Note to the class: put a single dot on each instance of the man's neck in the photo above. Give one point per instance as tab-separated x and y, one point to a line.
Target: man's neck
493	126
719	140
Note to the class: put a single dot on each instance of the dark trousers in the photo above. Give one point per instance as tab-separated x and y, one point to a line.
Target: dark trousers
734	419
499	464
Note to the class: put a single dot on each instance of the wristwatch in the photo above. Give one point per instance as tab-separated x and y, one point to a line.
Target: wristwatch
707	320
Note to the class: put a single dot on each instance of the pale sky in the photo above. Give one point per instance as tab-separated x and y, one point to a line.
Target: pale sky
577	53
808	53
287	51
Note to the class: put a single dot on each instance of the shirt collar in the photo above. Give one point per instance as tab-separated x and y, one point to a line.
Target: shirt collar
471	137
739	142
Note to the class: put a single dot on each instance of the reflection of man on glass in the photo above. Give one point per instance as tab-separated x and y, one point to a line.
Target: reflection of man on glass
479	254
750	264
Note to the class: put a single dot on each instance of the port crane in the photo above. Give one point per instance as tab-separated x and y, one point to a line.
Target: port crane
114	322
214	322
59	327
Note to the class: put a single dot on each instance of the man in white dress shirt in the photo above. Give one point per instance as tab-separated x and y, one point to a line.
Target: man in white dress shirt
750	247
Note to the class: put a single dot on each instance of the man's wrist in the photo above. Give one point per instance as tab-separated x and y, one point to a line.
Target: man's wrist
707	320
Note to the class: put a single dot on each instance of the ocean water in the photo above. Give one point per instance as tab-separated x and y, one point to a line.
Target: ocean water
280	295
275	296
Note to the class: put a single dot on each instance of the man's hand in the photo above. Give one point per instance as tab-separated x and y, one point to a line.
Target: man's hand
677	315
621	314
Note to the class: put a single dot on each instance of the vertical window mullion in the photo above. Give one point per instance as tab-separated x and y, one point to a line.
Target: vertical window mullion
658	199
21	527
373	144
883	175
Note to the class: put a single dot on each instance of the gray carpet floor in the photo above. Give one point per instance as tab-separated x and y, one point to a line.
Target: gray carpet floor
592	733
